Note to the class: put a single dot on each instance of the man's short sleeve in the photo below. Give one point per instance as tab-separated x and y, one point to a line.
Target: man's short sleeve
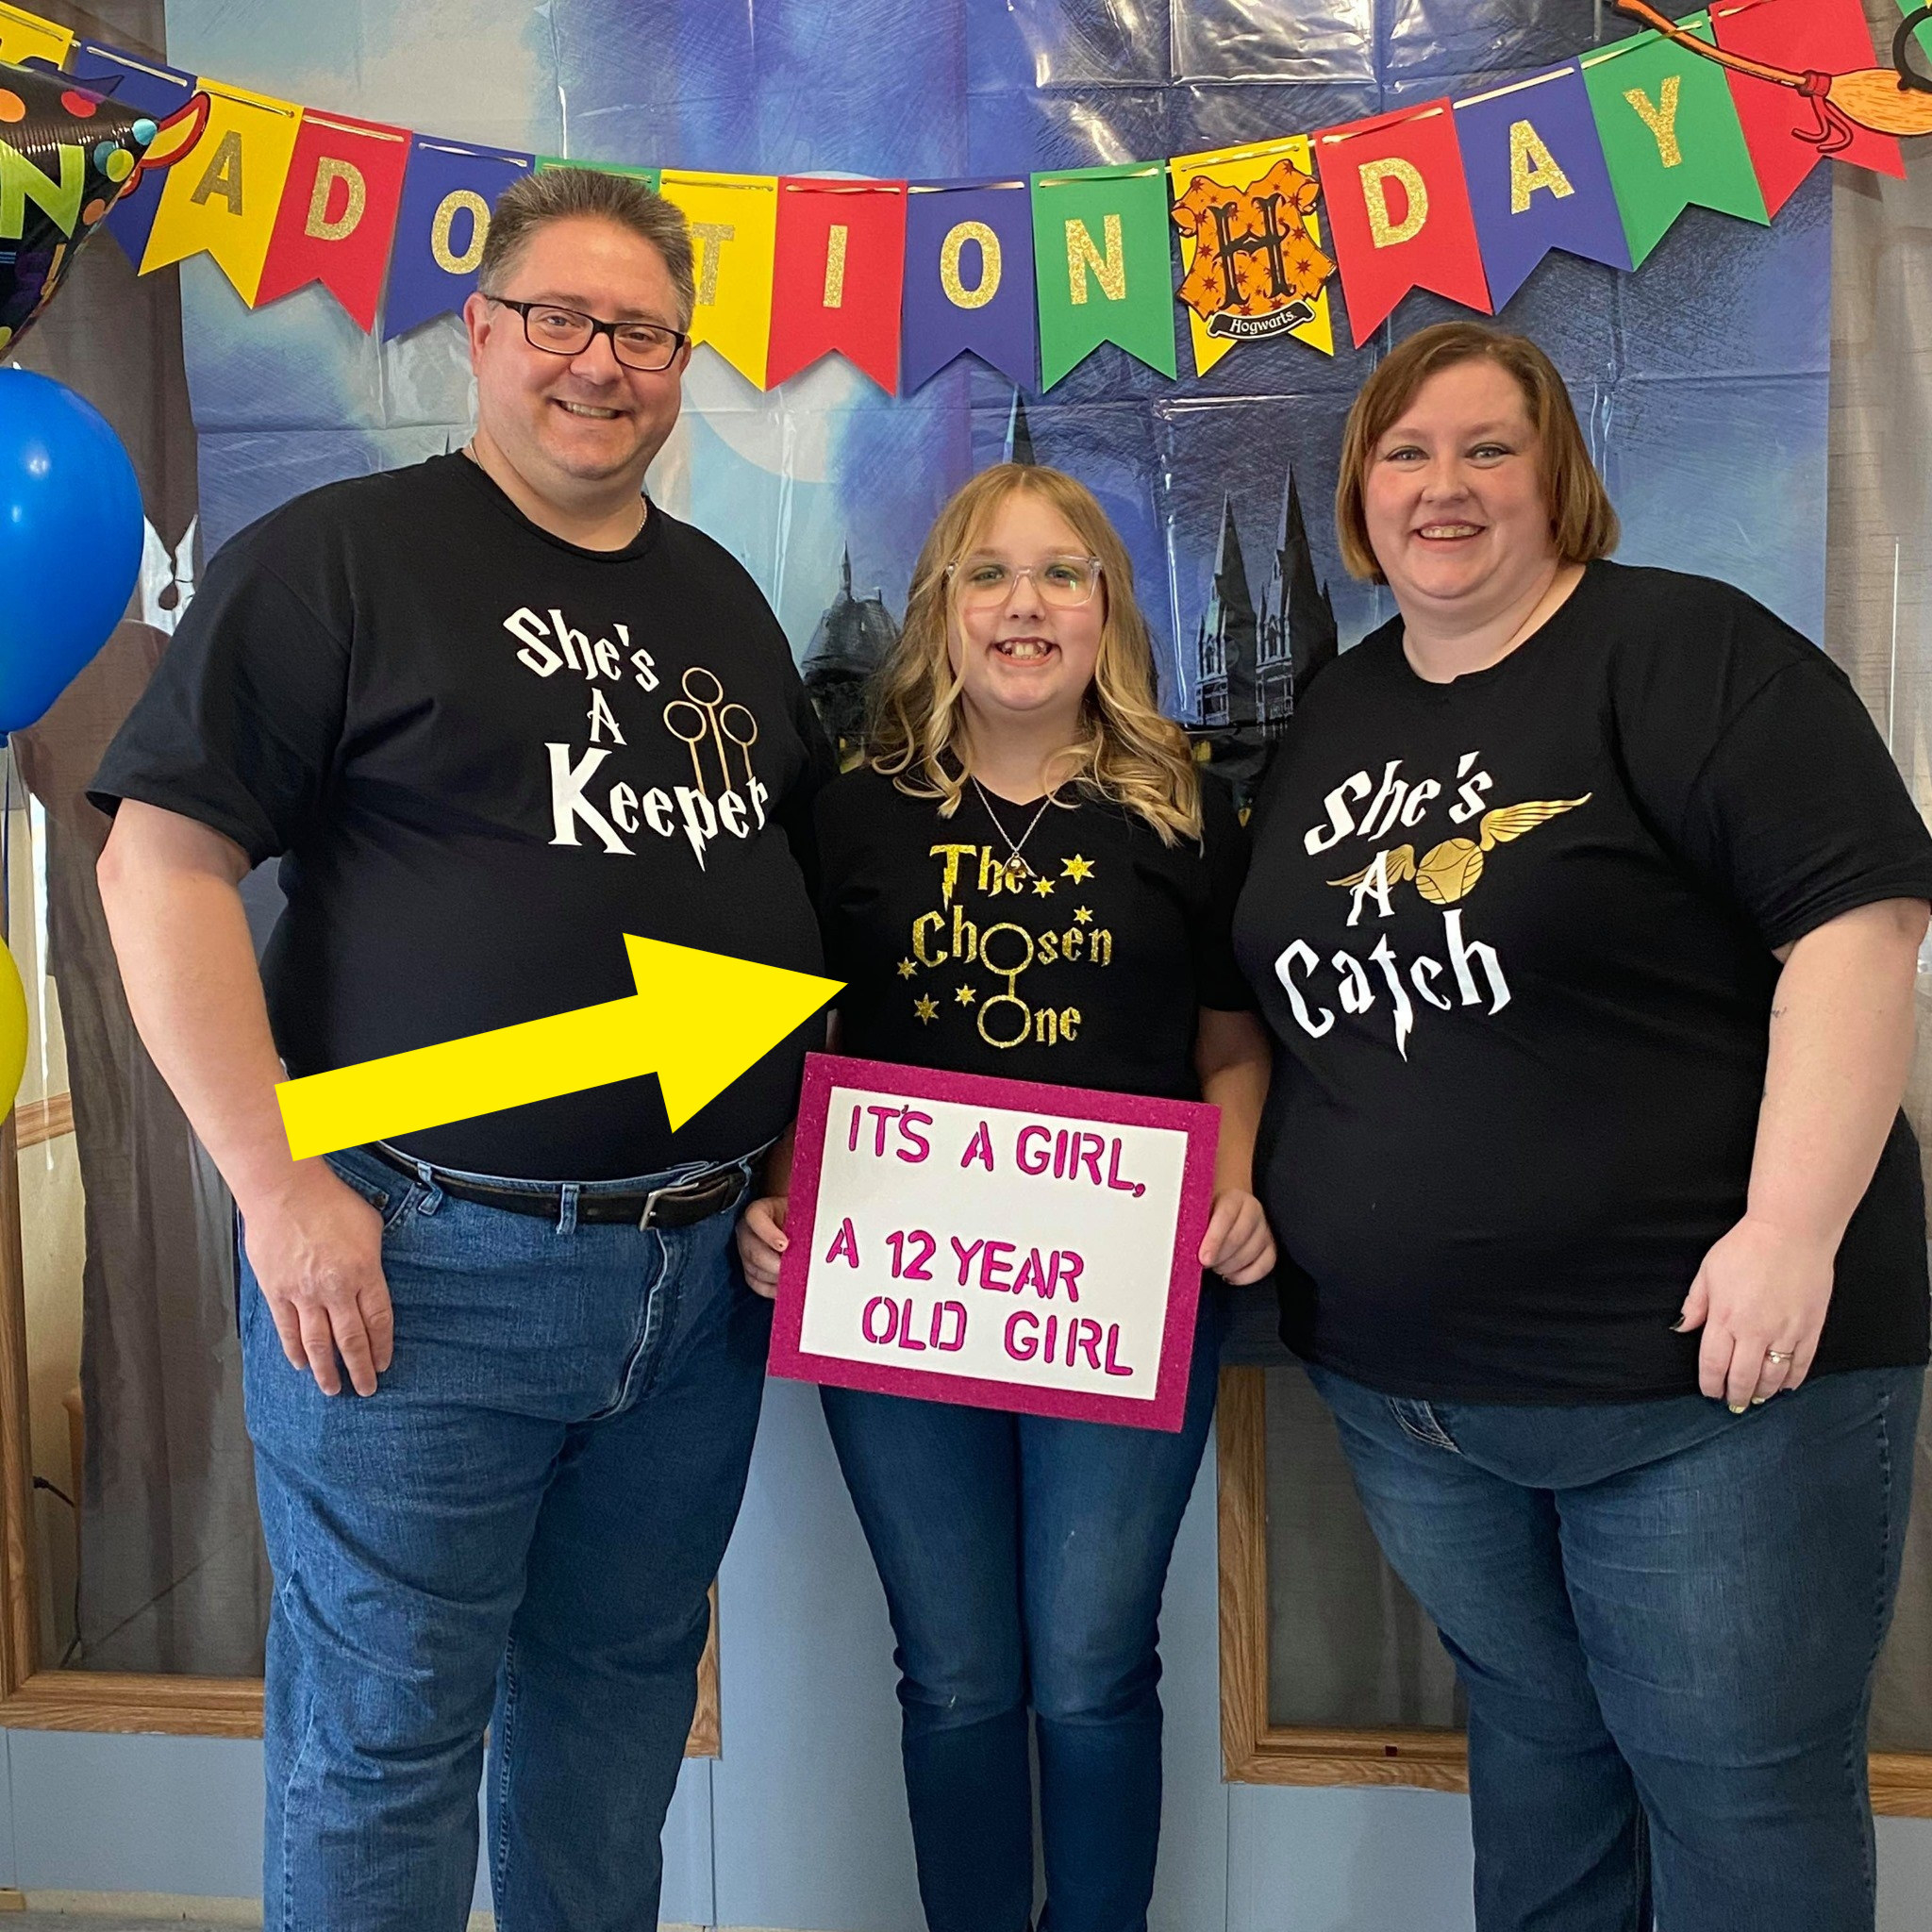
240	725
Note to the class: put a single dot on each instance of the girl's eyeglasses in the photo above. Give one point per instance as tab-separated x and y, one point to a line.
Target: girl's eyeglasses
1064	583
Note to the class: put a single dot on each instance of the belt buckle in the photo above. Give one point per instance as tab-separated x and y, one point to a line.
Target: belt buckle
651	1201
717	1182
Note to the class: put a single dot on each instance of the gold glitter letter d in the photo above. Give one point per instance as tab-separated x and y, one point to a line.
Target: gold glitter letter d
1377	175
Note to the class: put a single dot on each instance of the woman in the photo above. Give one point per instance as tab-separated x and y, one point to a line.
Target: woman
1021	785
1584	909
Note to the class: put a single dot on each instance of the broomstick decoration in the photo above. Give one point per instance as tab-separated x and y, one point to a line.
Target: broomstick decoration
1885	100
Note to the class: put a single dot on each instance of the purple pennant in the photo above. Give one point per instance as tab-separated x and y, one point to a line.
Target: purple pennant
131	80
962	295
1534	143
440	226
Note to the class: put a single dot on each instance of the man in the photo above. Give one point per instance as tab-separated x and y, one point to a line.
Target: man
491	713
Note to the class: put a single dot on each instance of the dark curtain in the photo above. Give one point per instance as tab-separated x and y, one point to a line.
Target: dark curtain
173	1578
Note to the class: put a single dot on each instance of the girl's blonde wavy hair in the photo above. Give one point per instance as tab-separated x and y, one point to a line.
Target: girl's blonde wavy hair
1127	751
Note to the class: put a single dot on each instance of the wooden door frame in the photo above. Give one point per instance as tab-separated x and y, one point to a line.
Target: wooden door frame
1256	1750
33	1698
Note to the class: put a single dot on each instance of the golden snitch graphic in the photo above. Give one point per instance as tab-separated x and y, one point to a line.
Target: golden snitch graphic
1452	870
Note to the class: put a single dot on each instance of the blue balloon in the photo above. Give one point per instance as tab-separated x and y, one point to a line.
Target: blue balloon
71	531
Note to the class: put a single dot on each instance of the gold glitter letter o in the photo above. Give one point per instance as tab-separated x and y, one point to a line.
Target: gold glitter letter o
465	263
958	293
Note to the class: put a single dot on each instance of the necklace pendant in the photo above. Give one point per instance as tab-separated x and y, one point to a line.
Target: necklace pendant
1018	873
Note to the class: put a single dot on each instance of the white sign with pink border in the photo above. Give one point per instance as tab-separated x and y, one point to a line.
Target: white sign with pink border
997	1243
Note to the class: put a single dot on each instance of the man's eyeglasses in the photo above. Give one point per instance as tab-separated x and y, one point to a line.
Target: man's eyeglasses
1064	582
645	346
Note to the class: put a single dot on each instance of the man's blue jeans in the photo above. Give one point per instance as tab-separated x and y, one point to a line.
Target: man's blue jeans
1665	1617
1023	1560
517	1529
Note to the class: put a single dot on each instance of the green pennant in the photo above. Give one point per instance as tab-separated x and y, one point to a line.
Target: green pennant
1670	135
1922	33
1101	266
649	176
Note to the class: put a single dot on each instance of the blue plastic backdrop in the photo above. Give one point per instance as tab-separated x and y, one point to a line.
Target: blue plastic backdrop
1702	378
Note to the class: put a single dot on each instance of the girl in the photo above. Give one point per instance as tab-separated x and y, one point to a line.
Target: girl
1028	878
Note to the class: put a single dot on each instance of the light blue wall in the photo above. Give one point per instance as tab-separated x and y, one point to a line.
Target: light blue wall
801	1823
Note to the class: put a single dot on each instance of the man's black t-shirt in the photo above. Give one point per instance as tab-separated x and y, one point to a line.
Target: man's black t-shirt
1090	973
1513	935
484	755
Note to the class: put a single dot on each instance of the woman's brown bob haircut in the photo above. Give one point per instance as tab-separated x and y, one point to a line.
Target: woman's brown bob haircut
1581	520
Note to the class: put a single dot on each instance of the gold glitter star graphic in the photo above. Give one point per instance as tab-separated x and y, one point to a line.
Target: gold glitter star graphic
964	994
1043	888
926	1007
1077	869
1083	915
906	968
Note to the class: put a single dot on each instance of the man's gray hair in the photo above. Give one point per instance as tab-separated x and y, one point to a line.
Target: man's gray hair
558	195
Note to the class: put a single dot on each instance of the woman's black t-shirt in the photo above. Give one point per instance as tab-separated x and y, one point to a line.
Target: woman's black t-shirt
1513	936
1088	974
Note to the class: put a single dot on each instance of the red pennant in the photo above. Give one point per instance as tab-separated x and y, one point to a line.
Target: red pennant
338	213
1786	133
838	270
1398	212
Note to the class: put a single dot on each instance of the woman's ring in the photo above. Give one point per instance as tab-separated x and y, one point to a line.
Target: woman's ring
1776	1354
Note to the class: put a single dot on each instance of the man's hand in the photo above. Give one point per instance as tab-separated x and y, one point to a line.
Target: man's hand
316	1249
761	1242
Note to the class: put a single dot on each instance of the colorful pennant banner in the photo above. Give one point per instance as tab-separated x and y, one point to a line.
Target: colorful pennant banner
835	270
159	93
1824	36
1537	178
1100	260
28	36
1399	206
1729	108
1251	248
448	190
338	215
969	280
1670	135
734	230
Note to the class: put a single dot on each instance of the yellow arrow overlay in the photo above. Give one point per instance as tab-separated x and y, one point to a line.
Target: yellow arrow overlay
697	1020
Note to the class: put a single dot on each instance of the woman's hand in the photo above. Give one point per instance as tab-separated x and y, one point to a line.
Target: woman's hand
1762	1290
761	1242
1238	1245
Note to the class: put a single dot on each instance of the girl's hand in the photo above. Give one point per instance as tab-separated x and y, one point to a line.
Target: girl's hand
1238	1245
761	1242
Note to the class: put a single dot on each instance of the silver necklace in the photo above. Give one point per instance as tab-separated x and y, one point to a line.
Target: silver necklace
1016	869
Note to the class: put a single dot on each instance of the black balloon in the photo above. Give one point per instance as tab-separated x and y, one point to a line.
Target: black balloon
66	153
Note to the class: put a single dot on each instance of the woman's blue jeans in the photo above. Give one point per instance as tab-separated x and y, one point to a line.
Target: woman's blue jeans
1665	1617
519	1529
1023	1560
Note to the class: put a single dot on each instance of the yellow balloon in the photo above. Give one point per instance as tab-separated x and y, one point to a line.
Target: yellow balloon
12	1029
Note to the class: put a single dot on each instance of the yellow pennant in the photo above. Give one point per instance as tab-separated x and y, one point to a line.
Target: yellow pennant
26	37
221	196
734	227
1254	266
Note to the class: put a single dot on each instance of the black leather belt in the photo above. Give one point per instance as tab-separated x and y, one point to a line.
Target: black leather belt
681	1206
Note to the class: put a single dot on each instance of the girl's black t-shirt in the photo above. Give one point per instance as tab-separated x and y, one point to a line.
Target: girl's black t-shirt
1513	935
1088	973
